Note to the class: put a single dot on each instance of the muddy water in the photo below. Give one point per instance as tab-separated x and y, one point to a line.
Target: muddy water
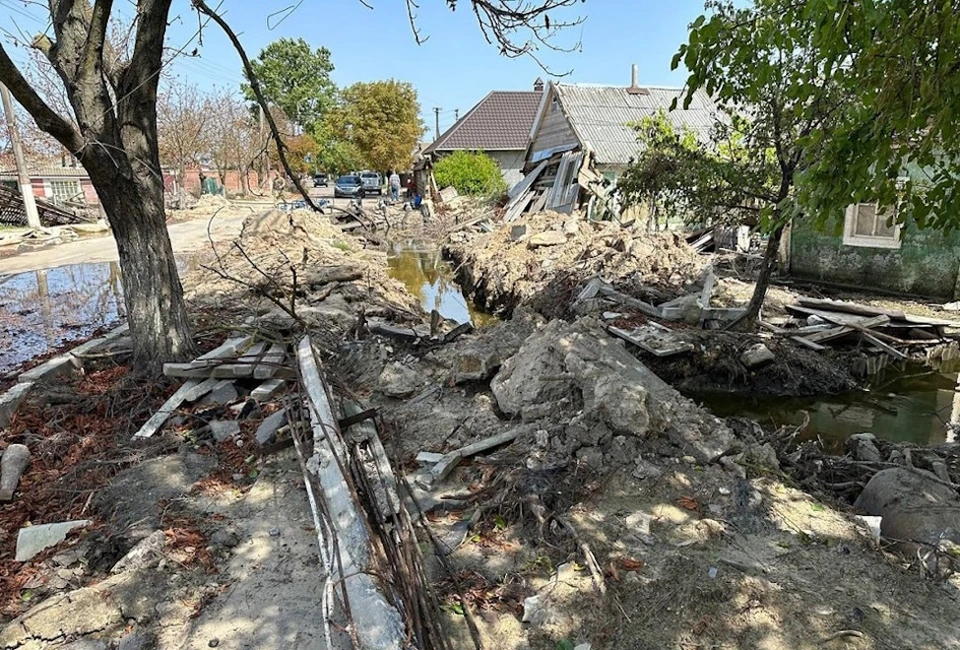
430	278
43	310
910	403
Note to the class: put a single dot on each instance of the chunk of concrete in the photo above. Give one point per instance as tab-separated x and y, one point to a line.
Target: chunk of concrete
267	431
863	446
398	380
14	462
145	554
548	238
11	399
33	539
224	429
756	356
918	510
517	232
223	393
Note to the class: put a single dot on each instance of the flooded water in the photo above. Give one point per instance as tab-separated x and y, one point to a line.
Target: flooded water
41	310
910	403
429	277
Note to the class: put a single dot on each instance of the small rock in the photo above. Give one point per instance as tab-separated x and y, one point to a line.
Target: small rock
536	611
517	232
213	643
543	438
224	537
398	380
940	469
689	460
224	429
136	640
725	491
14	461
639	522
646	470
267	431
572	225
611	315
756	356
548	238
144	554
274	532
33	539
591	456
429	458
863	446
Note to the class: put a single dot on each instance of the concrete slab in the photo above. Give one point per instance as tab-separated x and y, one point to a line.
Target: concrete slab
33	539
11	399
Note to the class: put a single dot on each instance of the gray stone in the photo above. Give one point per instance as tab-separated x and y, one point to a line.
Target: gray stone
224	429
146	553
33	539
14	461
548	238
517	232
863	446
267	431
137	640
918	510
224	537
592	457
398	380
429	457
11	399
645	470
223	393
756	356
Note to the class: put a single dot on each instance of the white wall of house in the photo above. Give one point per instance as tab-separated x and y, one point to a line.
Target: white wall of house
511	165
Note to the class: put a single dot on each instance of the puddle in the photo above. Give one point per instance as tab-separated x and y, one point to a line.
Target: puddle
430	278
911	403
43	310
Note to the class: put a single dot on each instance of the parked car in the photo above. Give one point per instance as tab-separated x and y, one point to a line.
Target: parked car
372	182
320	180
349	187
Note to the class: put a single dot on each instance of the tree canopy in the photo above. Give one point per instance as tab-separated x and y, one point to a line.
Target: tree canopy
296	78
897	64
381	119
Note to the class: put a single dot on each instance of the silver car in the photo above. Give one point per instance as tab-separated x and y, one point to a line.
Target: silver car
372	183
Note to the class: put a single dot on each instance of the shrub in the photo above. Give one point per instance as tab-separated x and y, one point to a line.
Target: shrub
471	172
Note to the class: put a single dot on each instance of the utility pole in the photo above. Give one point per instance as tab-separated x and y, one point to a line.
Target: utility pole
26	188
436	121
266	152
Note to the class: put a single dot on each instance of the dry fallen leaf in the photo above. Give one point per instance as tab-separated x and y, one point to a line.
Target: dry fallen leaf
630	564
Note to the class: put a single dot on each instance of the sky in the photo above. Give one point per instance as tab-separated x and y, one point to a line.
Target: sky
453	69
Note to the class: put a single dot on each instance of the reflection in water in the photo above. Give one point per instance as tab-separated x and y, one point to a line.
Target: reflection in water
428	277
913	403
40	310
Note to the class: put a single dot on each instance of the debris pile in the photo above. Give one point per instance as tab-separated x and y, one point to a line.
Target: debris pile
542	258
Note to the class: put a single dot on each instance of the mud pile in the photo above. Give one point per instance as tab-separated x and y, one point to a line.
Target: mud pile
540	259
302	259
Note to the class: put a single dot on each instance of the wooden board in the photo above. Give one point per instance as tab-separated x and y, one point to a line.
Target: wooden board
850	308
654	340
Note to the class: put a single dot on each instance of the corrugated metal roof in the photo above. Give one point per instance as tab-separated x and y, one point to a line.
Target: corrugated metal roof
500	122
600	114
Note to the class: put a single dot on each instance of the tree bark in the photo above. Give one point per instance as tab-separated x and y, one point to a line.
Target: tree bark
152	291
749	320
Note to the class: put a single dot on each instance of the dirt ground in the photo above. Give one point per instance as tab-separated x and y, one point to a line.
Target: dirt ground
621	514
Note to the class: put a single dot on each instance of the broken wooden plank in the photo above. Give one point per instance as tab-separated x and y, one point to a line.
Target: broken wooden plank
850	308
707	292
386	329
849	328
892	351
200	390
228	348
450	460
270	363
771	327
653	340
589	291
838	318
526	182
157	420
376	466
722	313
630	301
268	390
808	343
700	244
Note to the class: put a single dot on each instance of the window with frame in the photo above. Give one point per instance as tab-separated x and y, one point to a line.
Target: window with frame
65	190
867	226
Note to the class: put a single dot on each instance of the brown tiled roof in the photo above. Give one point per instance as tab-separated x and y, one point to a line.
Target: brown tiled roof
46	171
501	121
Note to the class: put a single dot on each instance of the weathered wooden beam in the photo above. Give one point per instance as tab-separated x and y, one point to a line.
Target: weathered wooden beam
157	420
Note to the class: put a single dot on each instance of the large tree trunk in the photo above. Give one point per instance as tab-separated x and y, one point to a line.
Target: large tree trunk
152	291
749	320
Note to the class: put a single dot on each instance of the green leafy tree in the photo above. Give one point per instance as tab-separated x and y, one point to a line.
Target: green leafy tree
471	172
381	119
761	142
296	78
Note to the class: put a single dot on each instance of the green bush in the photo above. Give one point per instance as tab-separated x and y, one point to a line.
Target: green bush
471	172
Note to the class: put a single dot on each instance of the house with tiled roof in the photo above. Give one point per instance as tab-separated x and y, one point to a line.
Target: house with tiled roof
499	125
62	181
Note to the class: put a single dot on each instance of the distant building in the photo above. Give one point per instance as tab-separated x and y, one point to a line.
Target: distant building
60	181
499	125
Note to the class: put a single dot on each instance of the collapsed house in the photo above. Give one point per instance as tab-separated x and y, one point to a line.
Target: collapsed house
582	140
